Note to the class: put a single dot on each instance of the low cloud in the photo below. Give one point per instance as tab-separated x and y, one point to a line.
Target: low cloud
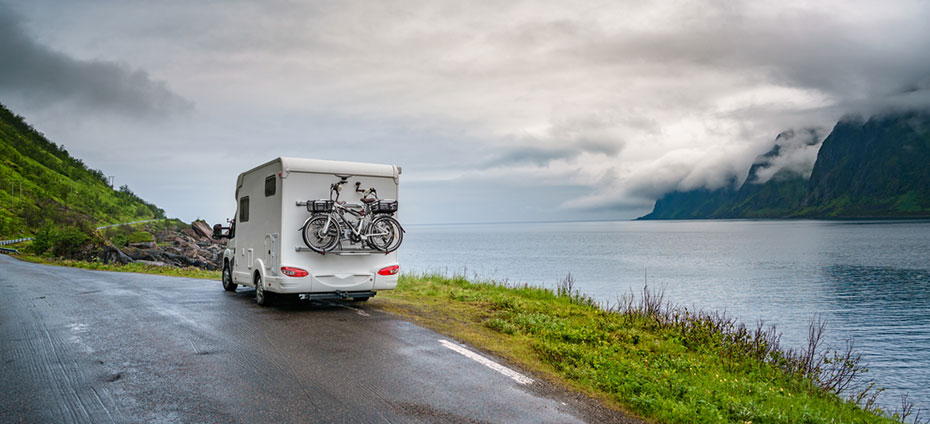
40	77
795	154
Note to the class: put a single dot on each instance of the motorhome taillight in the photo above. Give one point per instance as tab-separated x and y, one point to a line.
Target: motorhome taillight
293	272
389	270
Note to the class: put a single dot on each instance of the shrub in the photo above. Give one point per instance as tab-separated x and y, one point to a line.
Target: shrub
43	239
66	241
140	237
69	241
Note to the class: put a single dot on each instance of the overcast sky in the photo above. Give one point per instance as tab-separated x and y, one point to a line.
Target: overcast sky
497	111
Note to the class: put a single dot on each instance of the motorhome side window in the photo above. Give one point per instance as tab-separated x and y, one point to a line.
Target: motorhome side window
269	185
244	209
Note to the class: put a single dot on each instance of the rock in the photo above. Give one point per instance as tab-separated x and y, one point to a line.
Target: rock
144	245
184	247
144	254
202	229
113	254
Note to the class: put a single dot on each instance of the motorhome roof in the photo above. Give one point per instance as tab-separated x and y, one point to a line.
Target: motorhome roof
319	166
332	167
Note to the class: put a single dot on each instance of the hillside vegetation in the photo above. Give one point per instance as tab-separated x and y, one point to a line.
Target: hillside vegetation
41	185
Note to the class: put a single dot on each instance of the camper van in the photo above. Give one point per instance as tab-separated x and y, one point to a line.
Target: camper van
268	245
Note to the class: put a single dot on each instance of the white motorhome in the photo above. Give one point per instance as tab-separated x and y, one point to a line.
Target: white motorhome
266	249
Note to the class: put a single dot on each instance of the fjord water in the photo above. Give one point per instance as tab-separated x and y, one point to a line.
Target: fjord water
870	280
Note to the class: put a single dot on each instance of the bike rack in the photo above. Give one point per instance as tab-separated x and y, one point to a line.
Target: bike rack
348	205
339	251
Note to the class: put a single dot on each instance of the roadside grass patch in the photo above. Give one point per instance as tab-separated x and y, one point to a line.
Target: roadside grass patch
664	364
189	272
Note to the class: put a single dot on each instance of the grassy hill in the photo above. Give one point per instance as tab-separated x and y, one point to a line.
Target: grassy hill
56	189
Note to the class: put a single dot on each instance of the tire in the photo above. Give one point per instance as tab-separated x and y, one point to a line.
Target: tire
262	298
390	234
313	237
228	283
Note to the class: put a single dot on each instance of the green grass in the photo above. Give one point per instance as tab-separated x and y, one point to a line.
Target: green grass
140	237
631	361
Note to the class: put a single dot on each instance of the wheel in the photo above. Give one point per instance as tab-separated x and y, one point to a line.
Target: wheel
360	299
228	283
314	237
385	234
262	297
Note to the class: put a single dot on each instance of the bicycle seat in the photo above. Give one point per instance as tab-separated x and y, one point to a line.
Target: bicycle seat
369	200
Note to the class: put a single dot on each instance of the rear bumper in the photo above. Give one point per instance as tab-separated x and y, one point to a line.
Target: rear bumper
323	284
338	295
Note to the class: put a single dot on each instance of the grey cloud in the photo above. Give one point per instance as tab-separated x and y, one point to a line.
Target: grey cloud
567	138
670	95
42	77
817	50
541	156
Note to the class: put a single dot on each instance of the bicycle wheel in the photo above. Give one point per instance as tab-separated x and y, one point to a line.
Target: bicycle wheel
316	239
385	234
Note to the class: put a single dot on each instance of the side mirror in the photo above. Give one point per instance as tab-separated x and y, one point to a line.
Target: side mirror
218	232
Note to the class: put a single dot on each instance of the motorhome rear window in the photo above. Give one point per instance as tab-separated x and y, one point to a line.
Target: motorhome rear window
244	209
269	185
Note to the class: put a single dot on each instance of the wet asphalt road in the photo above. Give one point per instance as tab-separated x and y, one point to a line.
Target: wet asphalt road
93	347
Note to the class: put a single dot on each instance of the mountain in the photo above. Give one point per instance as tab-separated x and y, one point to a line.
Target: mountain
40	183
873	169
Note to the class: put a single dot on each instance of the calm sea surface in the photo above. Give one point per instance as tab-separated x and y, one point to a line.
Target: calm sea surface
870	280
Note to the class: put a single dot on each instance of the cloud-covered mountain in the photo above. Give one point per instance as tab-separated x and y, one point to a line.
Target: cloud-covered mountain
863	169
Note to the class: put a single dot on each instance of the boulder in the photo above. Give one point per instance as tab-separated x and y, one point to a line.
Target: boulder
144	254
113	254
144	245
202	229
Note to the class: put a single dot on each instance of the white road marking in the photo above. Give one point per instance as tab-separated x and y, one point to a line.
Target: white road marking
519	378
357	310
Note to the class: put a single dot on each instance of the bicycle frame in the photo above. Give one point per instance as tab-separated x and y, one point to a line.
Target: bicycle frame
339	211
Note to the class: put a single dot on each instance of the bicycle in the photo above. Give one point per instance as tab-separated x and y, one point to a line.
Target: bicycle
371	222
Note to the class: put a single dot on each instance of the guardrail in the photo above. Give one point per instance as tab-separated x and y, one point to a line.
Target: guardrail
20	240
8	250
